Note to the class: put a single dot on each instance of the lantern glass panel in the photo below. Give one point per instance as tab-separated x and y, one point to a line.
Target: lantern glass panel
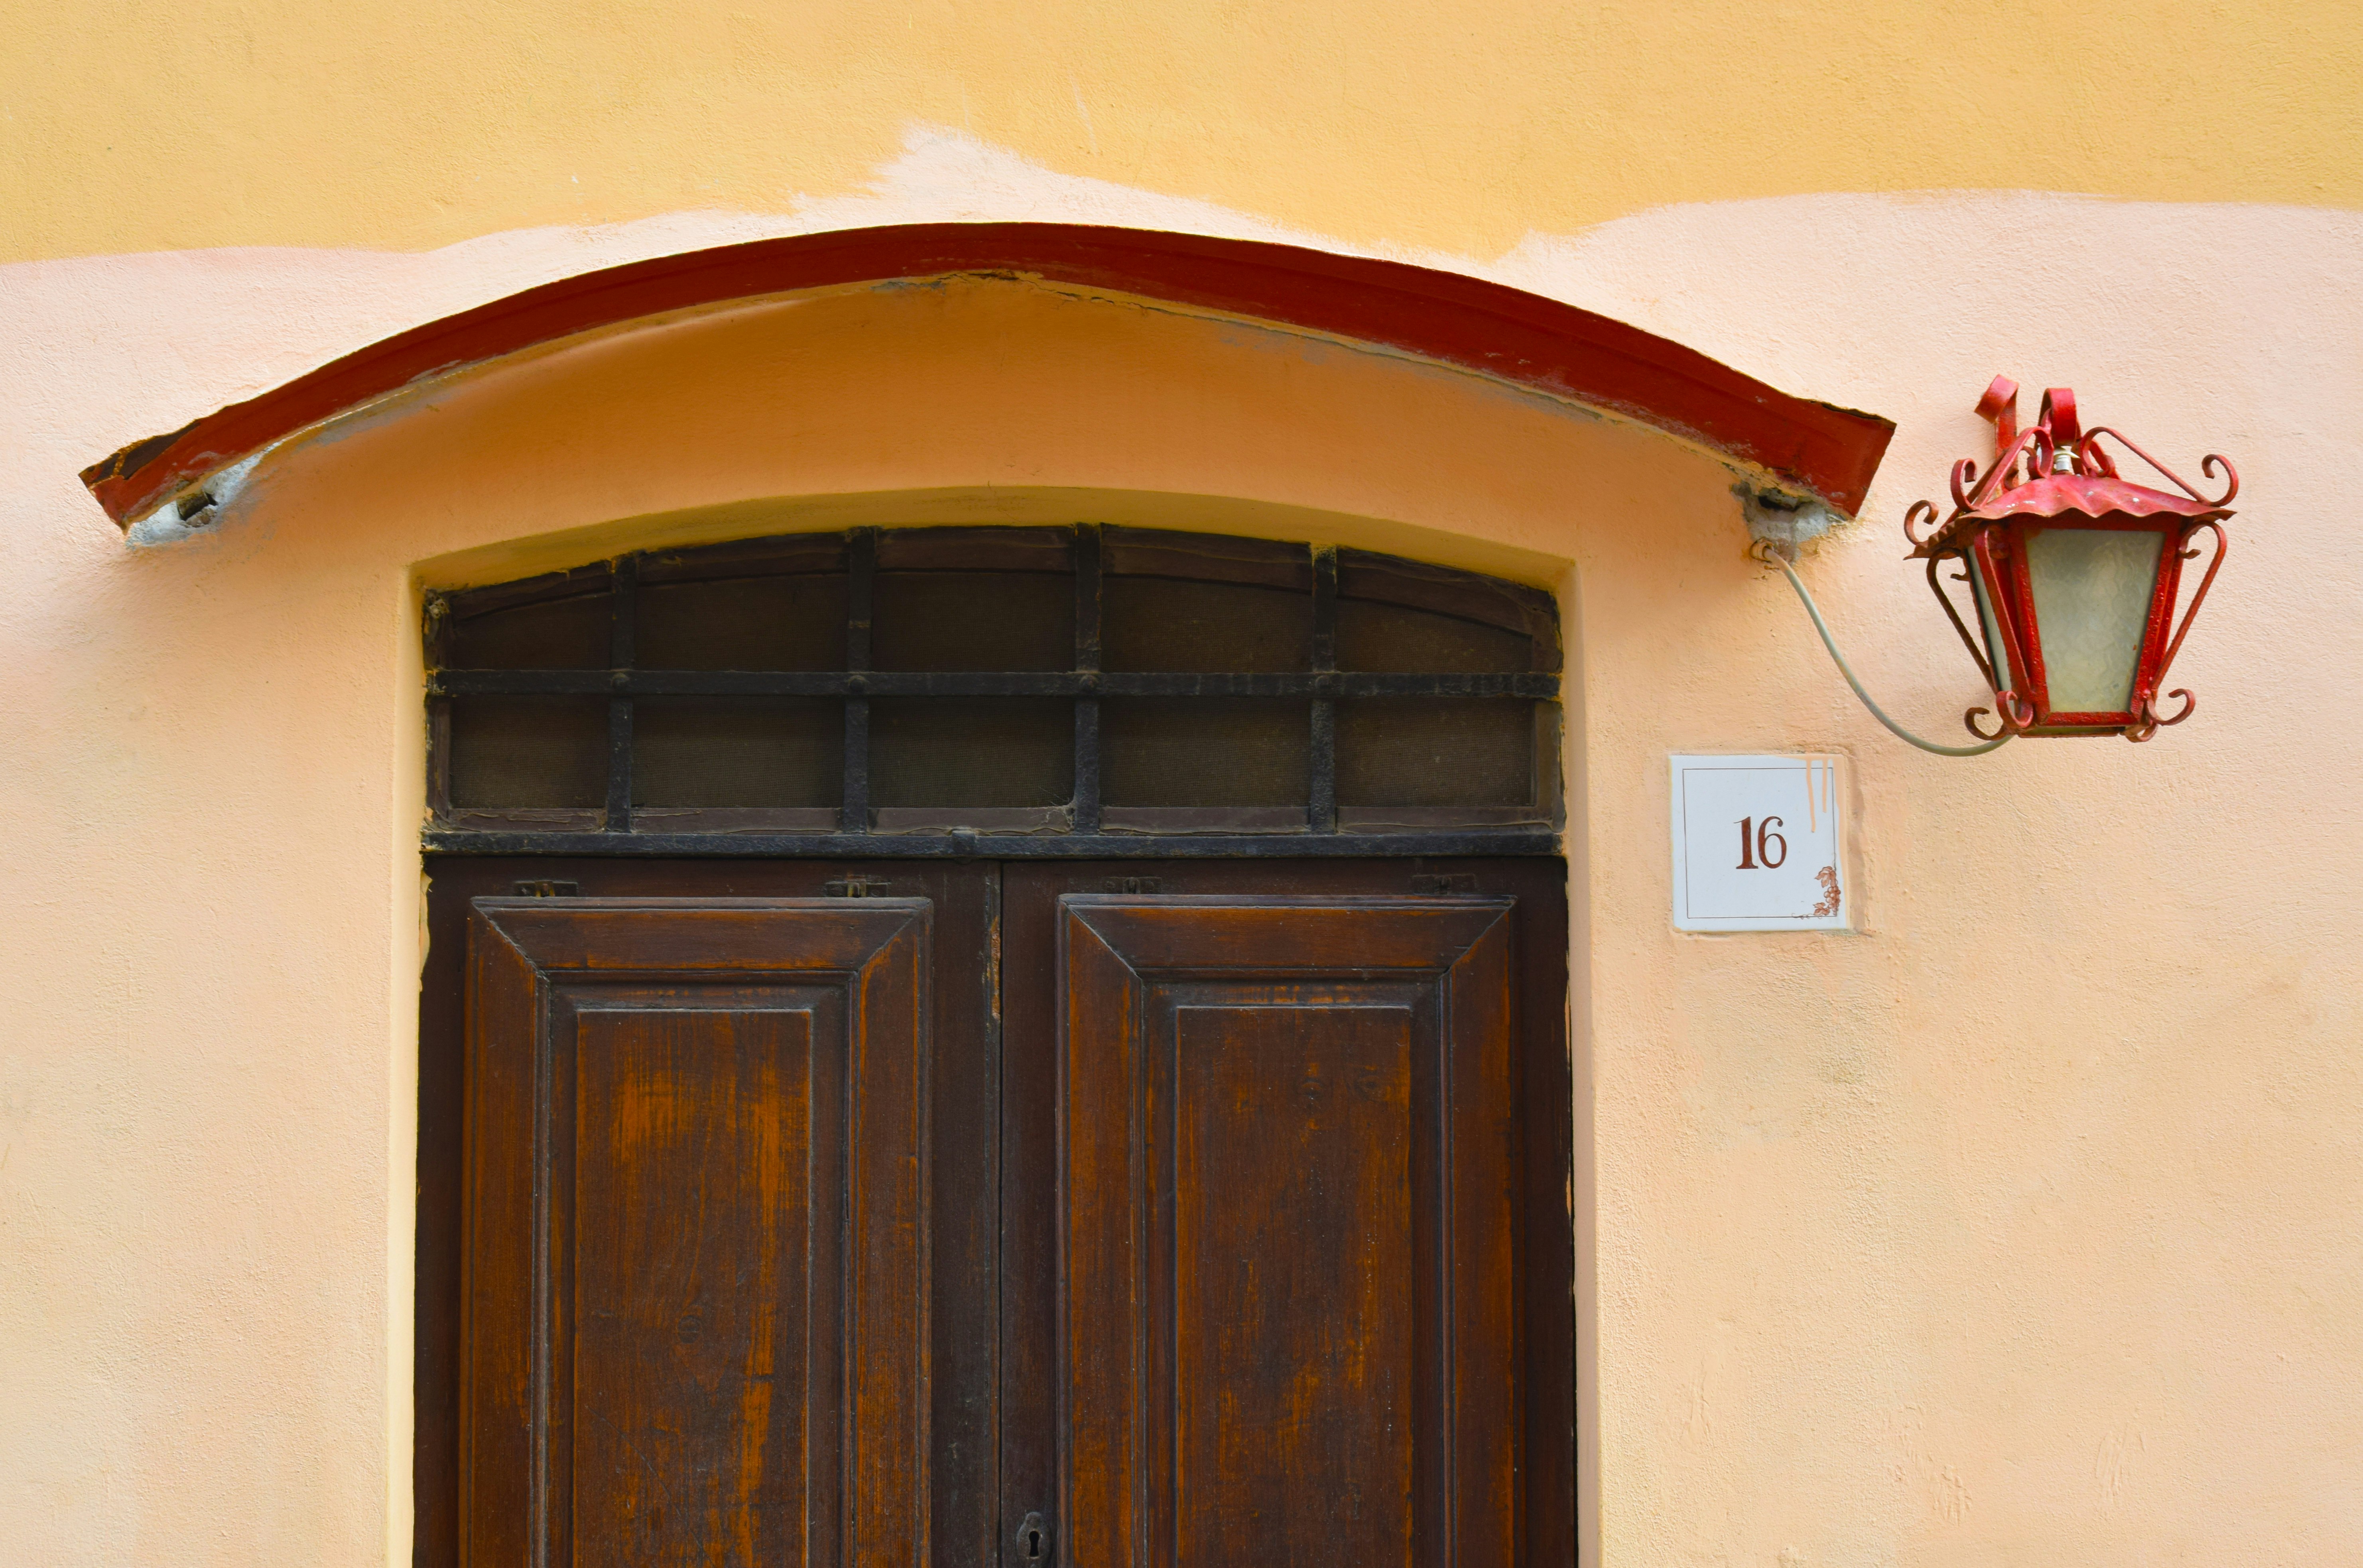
2092	589
1997	651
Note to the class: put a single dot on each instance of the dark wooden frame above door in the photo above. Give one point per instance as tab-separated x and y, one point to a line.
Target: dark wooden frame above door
542	692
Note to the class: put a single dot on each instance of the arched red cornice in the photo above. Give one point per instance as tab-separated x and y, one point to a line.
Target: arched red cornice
1465	321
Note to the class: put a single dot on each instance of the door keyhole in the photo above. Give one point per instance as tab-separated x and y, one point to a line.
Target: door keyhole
1034	1542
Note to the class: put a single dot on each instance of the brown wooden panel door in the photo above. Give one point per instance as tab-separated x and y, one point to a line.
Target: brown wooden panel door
694	1321
1288	1204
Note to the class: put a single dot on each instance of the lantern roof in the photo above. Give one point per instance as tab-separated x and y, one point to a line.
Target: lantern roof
2055	469
2091	497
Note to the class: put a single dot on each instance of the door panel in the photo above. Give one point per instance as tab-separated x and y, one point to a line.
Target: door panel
1291	1229
695	1218
1336	1000
962	1161
1287	1298
695	1302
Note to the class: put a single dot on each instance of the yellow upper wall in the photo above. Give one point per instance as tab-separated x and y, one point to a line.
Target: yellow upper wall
410	123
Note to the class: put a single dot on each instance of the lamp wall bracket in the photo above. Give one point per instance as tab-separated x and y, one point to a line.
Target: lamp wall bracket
1780	521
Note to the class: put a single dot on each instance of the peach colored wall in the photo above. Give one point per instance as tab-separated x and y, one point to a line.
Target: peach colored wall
2015	1226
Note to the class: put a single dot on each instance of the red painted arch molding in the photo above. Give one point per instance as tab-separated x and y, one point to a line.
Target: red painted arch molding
1518	337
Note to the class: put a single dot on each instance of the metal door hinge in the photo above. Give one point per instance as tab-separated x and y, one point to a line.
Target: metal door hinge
545	889
1130	885
857	888
1457	883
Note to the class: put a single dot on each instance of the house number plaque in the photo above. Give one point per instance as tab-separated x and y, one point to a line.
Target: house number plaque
1758	844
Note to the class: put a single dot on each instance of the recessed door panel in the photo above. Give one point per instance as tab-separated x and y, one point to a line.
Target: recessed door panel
696	1325
1286	1273
1294	1349
706	1193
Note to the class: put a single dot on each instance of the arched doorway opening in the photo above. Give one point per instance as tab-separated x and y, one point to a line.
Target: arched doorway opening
961	1045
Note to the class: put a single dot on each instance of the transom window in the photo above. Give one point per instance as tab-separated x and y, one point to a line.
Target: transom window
1064	690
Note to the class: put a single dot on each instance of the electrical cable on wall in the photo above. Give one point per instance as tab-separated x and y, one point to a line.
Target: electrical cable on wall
1763	552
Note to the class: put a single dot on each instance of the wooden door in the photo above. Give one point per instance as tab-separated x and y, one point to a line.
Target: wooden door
695	1296
1288	1317
1086	1213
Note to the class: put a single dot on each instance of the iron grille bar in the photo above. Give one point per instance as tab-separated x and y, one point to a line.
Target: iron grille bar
1344	685
1321	810
1087	662
1000	847
438	756
854	813
861	593
1088	573
1087	765
1325	607
860	584
623	630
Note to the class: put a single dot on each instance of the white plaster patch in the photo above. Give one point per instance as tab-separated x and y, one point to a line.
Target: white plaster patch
201	506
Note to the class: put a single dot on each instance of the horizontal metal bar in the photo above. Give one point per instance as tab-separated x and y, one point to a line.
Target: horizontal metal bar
996	846
977	683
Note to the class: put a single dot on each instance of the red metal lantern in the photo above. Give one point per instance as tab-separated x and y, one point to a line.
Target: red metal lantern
2075	573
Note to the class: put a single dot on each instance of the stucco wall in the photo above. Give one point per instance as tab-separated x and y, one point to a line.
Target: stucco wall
2016	1226
138	127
